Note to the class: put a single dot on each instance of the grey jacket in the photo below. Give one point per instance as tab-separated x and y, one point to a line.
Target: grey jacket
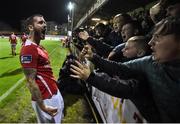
163	81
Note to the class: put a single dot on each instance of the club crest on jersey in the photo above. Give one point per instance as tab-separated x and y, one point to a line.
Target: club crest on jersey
26	59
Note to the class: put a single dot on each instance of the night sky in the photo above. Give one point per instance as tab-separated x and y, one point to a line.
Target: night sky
12	11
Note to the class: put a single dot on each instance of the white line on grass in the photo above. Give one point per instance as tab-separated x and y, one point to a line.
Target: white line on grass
17	83
11	89
53	50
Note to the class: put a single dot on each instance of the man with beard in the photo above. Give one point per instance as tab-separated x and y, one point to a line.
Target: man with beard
46	98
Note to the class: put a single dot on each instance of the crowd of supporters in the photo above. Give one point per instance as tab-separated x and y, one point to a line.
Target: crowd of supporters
138	58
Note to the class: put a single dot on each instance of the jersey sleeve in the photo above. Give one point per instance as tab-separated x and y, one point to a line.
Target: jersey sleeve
29	57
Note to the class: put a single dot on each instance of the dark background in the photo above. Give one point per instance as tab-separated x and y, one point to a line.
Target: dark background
13	11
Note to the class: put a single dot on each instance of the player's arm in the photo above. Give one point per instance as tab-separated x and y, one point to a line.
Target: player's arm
16	39
21	38
30	74
9	38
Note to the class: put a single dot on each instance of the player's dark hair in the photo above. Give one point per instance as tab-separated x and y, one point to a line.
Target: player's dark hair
29	20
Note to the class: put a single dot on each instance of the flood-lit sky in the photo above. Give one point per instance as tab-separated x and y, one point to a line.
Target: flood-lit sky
12	11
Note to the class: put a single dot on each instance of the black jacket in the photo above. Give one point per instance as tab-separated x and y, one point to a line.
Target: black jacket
100	46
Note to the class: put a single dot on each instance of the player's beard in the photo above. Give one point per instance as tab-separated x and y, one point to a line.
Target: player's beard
39	35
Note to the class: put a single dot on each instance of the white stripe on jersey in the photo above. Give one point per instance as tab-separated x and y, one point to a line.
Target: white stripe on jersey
28	42
45	84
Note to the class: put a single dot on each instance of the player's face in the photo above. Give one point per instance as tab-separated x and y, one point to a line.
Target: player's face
39	27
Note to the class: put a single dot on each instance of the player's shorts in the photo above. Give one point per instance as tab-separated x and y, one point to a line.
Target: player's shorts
13	45
55	101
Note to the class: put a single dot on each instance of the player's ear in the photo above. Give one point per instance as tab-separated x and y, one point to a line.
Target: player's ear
30	27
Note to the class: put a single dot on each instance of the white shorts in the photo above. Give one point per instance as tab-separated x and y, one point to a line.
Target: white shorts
13	45
55	101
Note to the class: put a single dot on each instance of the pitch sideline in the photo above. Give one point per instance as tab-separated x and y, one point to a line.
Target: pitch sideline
11	89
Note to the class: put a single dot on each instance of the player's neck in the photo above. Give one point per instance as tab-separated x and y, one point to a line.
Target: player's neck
35	40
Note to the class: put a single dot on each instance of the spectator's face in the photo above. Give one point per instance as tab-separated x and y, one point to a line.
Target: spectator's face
173	10
165	48
39	27
118	22
127	32
130	50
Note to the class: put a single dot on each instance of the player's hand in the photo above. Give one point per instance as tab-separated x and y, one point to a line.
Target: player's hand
50	110
80	71
87	52
84	35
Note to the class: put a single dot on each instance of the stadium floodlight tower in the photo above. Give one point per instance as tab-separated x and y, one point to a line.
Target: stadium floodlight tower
70	6
71	18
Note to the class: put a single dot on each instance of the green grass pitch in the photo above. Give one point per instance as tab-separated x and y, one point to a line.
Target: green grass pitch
12	107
